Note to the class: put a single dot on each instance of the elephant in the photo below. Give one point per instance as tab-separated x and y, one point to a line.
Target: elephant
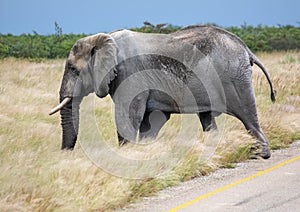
200	69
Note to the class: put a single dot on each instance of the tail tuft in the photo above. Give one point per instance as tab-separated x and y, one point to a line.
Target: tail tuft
273	96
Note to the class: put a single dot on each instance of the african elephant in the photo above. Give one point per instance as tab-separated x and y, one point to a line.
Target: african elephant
198	69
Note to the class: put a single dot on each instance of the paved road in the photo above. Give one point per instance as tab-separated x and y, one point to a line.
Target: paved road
275	190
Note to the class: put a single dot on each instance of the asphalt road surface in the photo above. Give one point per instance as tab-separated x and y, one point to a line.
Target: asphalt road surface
257	185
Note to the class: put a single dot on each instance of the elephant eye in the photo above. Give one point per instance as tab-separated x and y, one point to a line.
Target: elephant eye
73	69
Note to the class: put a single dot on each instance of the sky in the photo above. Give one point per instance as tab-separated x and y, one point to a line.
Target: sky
93	16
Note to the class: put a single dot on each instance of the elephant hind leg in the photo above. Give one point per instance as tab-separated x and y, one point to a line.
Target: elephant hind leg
208	121
248	115
262	148
152	123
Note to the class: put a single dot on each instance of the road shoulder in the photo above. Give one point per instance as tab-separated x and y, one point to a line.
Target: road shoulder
171	197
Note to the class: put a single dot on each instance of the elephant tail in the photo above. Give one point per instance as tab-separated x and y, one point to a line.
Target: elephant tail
255	60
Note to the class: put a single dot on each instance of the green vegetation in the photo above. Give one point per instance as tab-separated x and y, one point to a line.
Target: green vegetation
264	38
58	45
35	46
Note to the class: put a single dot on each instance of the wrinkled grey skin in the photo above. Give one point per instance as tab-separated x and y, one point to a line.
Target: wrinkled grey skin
199	69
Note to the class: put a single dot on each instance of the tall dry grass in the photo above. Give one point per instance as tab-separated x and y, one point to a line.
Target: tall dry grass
35	175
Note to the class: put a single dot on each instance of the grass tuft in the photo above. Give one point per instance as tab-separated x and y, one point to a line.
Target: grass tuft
35	175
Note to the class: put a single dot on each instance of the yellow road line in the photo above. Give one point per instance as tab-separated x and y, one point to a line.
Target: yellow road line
233	184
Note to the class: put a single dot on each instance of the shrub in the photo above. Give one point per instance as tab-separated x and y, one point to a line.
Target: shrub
58	45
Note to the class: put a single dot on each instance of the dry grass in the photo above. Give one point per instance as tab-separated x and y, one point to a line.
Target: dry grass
36	176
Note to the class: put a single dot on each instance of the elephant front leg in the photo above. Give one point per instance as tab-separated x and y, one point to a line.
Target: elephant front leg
129	118
208	121
126	128
122	140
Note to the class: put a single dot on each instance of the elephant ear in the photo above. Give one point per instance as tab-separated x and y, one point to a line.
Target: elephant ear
104	61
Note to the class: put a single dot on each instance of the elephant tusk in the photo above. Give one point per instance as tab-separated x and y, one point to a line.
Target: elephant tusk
60	106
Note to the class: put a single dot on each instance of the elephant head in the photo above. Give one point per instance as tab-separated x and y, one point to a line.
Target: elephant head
89	68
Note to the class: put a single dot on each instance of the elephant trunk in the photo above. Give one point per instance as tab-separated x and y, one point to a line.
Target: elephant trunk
70	123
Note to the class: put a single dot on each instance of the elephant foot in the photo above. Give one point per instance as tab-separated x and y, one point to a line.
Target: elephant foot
262	151
211	127
67	148
123	142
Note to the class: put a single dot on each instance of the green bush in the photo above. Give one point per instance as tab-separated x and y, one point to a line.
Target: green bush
58	45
